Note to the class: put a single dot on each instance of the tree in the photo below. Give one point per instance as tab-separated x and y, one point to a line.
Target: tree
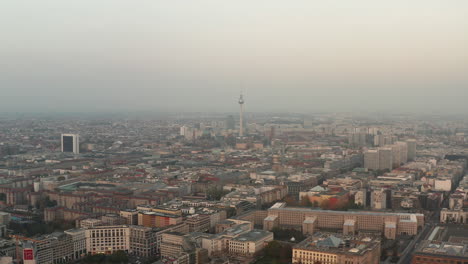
275	253
290	201
305	201
215	193
118	257
272	250
325	205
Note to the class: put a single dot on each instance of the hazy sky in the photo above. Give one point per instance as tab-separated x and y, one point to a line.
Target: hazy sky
197	55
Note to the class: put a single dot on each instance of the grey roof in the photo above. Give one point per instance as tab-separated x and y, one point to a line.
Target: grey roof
331	241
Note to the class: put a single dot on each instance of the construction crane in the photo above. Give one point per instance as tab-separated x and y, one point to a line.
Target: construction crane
18	238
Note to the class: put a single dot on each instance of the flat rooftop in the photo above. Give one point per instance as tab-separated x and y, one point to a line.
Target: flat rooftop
253	235
299	209
338	243
446	240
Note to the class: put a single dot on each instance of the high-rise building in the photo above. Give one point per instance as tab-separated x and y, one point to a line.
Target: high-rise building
71	143
385	158
403	151
230	123
411	148
396	156
371	159
358	139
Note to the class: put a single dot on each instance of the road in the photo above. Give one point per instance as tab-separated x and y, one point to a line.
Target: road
430	223
407	254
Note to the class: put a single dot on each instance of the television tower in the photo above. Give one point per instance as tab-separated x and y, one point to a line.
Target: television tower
241	124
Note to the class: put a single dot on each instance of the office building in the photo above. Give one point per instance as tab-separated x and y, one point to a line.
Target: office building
130	216
107	239
411	149
71	143
143	241
198	222
56	247
337	249
79	242
308	220
249	243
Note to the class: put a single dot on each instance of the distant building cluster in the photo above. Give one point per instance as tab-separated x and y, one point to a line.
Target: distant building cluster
234	188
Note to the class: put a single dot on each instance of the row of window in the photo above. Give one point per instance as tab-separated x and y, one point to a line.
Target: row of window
441	260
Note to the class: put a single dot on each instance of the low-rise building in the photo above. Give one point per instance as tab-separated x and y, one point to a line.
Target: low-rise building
445	244
337	249
107	239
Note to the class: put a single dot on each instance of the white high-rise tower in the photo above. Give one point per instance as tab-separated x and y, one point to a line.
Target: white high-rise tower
241	124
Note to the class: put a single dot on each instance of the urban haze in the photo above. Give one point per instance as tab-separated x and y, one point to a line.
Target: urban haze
304	56
233	132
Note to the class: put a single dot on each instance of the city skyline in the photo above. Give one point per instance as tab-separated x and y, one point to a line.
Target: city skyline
247	131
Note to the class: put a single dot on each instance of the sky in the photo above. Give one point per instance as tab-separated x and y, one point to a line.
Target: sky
199	55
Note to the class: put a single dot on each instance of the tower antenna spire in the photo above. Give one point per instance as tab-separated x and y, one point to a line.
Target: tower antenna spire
241	116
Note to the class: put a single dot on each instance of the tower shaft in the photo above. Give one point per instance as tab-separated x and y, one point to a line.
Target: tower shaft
241	119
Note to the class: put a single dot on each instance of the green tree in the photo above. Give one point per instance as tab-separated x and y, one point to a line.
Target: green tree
215	193
272	250
118	257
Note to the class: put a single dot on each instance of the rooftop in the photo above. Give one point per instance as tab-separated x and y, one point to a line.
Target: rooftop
253	235
338	243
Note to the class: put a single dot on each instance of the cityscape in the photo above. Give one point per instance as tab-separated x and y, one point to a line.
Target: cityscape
219	132
327	188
